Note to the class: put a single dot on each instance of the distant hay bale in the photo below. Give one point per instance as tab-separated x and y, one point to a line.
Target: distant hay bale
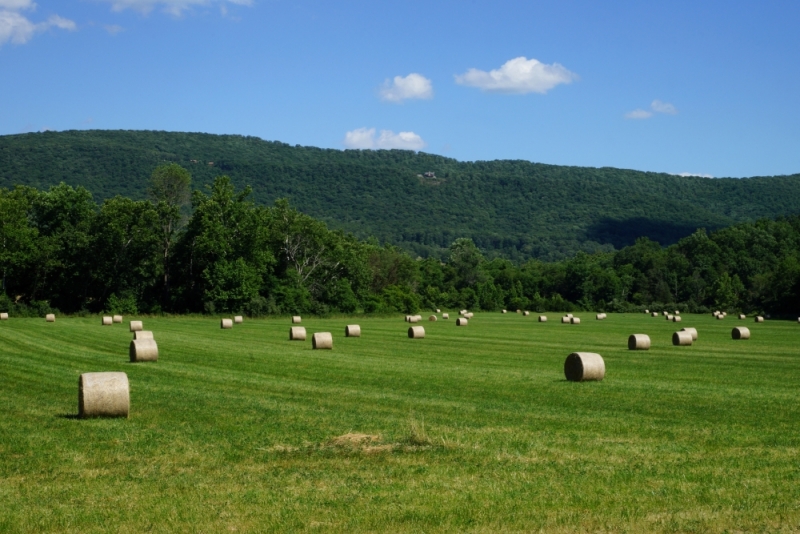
238	319
584	366
296	319
438	310
565	320
143	350
322	340
103	395
226	324
676	318
720	317
600	316
724	314
3	316
469	315
740	332
798	319
297	333
407	319
352	330
504	311
445	316
639	342
135	326
117	319
462	312
742	317
107	321
413	319
759	319
575	320
682	339
417	332
50	318
143	334
669	317
542	318
526	313
677	312
462	321
569	315
646	312
655	314
519	311
717	312
665	313
692	332
433	318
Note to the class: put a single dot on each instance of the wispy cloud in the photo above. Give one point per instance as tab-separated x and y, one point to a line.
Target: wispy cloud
657	106
173	7
694	174
404	88
18	29
518	76
365	138
113	29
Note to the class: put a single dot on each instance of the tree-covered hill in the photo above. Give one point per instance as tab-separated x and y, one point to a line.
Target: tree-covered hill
516	209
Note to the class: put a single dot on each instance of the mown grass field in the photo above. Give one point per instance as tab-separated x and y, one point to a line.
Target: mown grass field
472	429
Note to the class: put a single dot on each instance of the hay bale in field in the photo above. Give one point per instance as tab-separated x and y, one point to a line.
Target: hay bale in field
50	318
433	318
692	331
462	312
469	315
322	340
565	320
226	324
519	311
135	326
742	317
646	312
143	334
575	320
655	314
413	319
759	319
297	333
682	339
107	321
438	310
740	332
569	315
542	318
526	313
676	318
238	319
117	319
3	316
600	316
798	319
143	350
583	366
462	321
445	316
665	313
352	330
504	311
720	317
669	317
296	319
677	312
417	332
103	395
639	342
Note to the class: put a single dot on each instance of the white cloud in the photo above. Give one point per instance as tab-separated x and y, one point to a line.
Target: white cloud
113	29
16	5
174	7
693	174
364	138
16	28
518	76
638	114
412	86
663	107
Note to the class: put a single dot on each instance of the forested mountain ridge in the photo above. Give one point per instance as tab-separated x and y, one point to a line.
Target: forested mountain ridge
515	209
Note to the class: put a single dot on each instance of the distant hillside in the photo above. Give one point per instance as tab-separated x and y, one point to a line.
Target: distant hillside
516	209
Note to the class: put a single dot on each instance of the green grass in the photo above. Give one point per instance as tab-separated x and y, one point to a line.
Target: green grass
472	429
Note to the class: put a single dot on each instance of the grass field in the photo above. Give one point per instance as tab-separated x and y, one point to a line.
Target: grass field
472	429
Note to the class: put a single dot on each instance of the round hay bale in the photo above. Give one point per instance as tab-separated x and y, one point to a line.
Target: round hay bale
665	313
542	318
462	312
135	326
413	319
655	314
759	319
103	395
682	339
445	316
143	334
3	316
352	330
676	318
50	318
569	315
322	340
583	366
226	324
297	333
740	332
677	312
462	321
798	319
600	316
526	313
296	319
469	315
639	342
575	320
107	321
646	312
504	311
724	314
669	317
417	332
117	319
143	350
692	331
438	310
238	319
565	320
742	317
720	317
519	311
433	318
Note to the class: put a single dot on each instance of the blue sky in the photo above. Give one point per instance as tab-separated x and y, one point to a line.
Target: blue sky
709	88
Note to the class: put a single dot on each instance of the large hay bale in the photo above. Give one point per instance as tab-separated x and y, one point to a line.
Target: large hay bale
759	319
461	321
238	319
226	324
417	332
322	340
676	318
542	318
135	326
692	331
433	318
50	318
143	334
565	320
297	333
107	321
445	316
583	366
296	319
117	319
3	316
682	339
103	395
655	314
639	342
740	332
143	350
575	320
352	330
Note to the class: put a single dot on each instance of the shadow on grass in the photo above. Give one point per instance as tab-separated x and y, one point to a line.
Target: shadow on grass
68	416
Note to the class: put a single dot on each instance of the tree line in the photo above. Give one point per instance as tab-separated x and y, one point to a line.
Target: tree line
216	251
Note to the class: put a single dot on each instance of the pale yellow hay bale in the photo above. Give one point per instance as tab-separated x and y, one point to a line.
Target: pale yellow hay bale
504	311
462	312
720	317
417	332
584	366
413	319
135	326
565	320
759	319
542	318
461	321
677	312
519	311
117	319
50	318
742	317
226	324
433	318
655	314
676	319
575	320
419	317
238	319
569	315
600	316
665	313
143	334
526	313
322	340
438	310
103	395
107	321
669	317
646	312
445	316
639	342
296	319
740	332
692	331
3	316
143	350
798	319
682	338
469	315
297	333
352	330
